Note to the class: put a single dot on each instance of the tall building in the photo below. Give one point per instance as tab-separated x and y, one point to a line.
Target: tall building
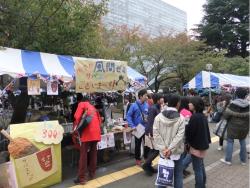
153	16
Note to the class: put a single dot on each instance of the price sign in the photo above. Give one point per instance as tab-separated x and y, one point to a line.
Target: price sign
49	133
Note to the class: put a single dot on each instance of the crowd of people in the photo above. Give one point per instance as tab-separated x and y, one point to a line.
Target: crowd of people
177	128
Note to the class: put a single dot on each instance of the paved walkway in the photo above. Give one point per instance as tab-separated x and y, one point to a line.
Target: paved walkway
220	175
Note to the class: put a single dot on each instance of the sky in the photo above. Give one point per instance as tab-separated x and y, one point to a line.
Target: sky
193	8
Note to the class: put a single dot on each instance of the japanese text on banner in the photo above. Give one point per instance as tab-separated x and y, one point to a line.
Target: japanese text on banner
100	75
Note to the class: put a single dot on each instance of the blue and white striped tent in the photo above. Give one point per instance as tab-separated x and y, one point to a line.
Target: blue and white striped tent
205	79
17	63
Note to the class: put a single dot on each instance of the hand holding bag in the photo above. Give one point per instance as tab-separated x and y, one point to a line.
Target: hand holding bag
165	175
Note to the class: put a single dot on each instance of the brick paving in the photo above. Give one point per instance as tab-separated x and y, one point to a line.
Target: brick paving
224	176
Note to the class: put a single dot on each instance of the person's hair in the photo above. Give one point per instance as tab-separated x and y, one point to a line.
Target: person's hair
79	97
241	93
85	98
142	92
166	98
156	97
128	98
149	96
227	98
173	100
198	104
184	103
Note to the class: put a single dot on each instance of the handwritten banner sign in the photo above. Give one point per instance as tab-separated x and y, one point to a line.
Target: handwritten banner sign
50	132
100	75
36	167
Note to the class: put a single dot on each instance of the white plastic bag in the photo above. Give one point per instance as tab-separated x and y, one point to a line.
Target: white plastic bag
165	175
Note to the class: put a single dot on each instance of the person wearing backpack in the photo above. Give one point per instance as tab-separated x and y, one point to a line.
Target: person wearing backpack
90	135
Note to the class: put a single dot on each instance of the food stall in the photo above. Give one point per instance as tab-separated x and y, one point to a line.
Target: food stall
88	76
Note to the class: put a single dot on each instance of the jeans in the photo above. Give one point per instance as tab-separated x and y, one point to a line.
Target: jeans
178	174
186	161
199	172
229	150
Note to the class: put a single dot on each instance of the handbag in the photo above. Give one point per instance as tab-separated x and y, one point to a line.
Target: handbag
165	175
84	122
220	128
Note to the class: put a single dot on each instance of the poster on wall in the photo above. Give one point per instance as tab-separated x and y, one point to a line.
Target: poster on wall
52	88
100	75
33	86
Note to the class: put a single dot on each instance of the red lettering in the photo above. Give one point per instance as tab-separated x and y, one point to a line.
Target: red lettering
55	134
50	133
44	133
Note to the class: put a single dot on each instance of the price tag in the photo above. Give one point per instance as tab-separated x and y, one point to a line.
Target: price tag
49	133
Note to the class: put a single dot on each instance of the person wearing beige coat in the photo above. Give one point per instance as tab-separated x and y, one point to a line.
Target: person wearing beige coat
168	134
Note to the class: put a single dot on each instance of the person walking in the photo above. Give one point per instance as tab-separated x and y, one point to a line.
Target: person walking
88	138
198	139
153	111
168	134
221	107
136	115
237	116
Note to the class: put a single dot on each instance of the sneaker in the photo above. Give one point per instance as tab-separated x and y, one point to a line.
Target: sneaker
243	163
225	162
138	162
78	182
219	148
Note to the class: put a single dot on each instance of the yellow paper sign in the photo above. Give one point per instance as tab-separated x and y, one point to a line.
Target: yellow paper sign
36	167
49	133
26	130
33	87
100	75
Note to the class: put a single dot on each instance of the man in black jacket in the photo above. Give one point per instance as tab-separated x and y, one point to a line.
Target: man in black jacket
237	115
151	153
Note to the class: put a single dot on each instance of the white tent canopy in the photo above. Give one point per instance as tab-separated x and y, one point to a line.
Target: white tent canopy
206	79
18	63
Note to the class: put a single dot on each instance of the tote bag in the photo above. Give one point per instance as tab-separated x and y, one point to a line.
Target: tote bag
165	175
